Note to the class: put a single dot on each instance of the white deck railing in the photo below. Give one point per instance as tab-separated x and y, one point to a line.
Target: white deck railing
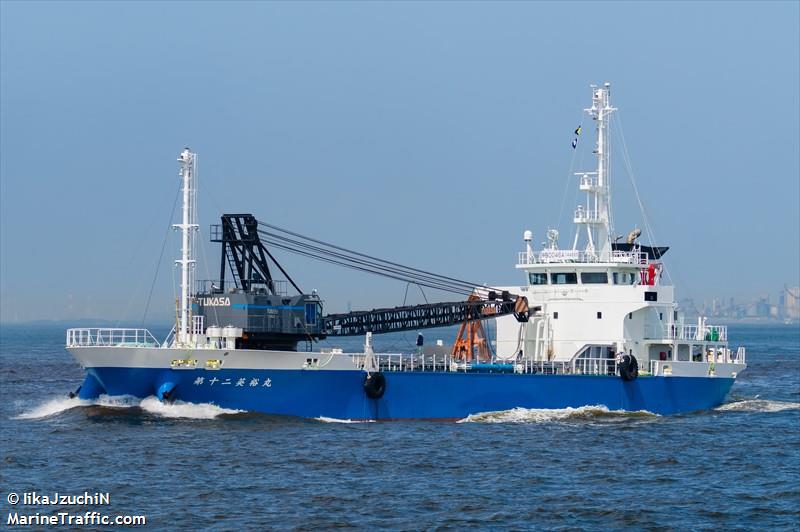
707	333
720	361
587	183
582	216
569	256
116	337
595	366
403	362
580	366
430	362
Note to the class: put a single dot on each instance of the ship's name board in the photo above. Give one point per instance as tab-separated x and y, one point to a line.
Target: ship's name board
215	301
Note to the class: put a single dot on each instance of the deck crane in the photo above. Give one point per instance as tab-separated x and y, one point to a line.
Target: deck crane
250	298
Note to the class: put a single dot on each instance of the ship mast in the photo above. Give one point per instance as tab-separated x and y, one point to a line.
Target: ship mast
188	226
595	215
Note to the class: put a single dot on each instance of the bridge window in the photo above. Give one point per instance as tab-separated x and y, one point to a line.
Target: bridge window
565	278
311	313
594	278
555	315
599	315
622	278
538	278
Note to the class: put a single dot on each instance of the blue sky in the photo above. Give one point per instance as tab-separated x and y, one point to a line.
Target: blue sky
432	134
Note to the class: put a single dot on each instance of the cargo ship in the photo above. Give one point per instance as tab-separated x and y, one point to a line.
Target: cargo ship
593	324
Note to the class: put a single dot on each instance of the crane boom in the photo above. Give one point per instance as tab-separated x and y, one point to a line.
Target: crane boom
416	317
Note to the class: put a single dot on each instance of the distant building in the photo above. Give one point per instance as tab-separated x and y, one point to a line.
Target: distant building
760	308
791	303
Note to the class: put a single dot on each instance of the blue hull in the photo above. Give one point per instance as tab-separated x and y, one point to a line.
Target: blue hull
409	395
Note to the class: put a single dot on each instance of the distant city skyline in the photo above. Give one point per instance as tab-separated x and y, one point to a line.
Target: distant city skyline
430	134
783	306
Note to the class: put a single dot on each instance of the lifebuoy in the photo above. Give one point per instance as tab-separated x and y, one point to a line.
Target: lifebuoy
628	367
375	385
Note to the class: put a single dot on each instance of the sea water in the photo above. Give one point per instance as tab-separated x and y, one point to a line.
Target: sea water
189	466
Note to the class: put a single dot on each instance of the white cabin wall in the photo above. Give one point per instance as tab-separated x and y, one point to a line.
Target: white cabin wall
634	324
684	353
507	336
578	325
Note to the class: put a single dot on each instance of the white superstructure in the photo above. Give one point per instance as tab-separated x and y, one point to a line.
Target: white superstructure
598	299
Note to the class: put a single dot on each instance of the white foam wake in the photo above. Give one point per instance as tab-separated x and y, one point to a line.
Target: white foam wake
545	415
62	404
758	405
180	409
53	407
152	405
324	419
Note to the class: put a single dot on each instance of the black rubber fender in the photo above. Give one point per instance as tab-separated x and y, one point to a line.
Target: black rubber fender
628	368
375	385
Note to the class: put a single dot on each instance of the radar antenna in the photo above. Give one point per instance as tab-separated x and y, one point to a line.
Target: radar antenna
633	235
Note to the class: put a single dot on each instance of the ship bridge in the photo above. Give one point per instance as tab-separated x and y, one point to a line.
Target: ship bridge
604	295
